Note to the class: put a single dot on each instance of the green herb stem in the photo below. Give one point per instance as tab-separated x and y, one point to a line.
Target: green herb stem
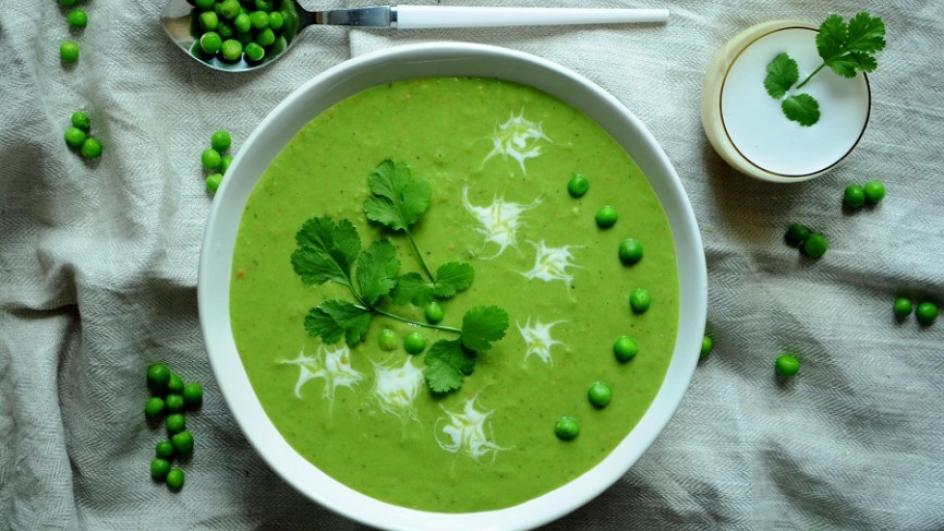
417	323
809	77
419	256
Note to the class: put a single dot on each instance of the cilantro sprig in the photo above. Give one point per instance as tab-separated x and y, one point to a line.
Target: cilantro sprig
331	251
845	48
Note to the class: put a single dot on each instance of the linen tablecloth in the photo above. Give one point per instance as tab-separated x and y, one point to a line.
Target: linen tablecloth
98	277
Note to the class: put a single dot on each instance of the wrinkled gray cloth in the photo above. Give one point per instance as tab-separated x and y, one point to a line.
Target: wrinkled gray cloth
98	270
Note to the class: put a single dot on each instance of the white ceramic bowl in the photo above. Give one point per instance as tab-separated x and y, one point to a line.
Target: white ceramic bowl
426	60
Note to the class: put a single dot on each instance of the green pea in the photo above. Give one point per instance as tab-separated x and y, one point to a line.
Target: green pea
211	42
193	395
434	312
264	5
204	4
69	51
229	8
787	365
67	3
414	343
707	343
630	251
606	217
75	137
927	313
182	442
254	51
175	384
797	234
874	192
566	428
854	196
213	182
175	403
388	340
276	20
209	20
815	246
164	450
91	148
232	50
81	120
175	479
159	469
157	377
640	300
903	307
224	164
599	394
221	140
154	408
266	37
578	185
211	159
176	423
242	23
259	19
226	31
625	349
77	18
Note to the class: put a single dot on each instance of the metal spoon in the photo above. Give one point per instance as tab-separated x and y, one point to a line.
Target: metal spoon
178	22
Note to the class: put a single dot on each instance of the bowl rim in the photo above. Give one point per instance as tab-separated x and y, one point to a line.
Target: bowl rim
231	375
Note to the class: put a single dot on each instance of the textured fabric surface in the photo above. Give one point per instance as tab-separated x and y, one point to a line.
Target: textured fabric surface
98	271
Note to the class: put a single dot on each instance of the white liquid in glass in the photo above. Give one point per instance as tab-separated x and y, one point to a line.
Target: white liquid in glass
757	126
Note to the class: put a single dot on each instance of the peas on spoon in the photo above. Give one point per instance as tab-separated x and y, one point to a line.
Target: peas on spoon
288	18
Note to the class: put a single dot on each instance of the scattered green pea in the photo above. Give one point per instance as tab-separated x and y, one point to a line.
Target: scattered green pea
164	450
787	365
211	42
903	307
625	349
224	165
175	384
211	159
567	428
259	20
927	313
578	185
232	50
388	340
434	312
599	394
75	137
874	192
254	51
77	18
213	182
630	251
175	403
414	343
276	20
175	479
91	148
192	395
266	37
69	51
606	217
229	8
209	20
81	120
157	377
182	442
154	407
707	344
797	234
242	23
815	246
854	196
176	423
221	140
159	468
640	300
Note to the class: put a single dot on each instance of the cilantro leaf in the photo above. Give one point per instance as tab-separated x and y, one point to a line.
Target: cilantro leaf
782	73
377	269
451	278
325	251
801	108
851	48
398	199
413	289
833	33
482	325
866	34
447	364
333	320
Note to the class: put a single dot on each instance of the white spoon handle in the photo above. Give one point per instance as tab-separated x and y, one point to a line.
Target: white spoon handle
429	17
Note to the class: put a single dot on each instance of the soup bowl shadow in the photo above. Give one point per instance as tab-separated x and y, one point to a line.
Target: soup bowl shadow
434	60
